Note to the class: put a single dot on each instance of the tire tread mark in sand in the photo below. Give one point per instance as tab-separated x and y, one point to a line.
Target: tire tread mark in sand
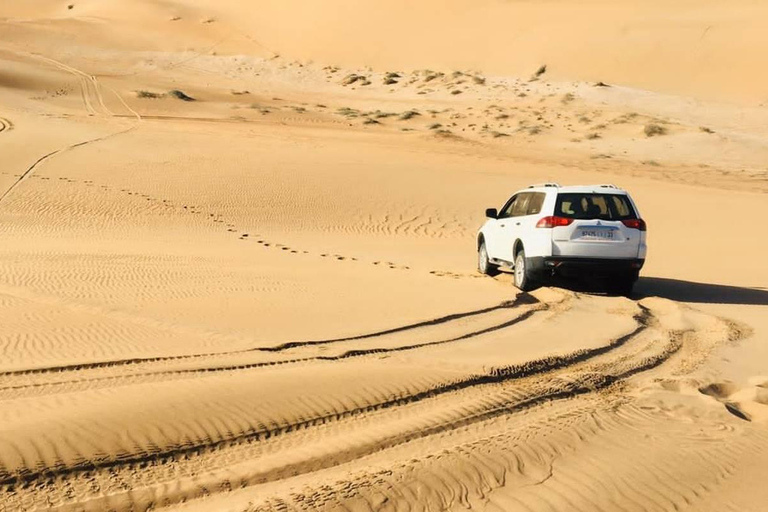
520	300
85	80
591	382
5	125
249	366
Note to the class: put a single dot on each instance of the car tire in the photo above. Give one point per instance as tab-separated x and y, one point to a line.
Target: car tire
484	265
523	280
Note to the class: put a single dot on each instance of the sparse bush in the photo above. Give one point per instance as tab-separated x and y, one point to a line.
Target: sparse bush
435	126
369	120
148	95
567	98
348	112
653	130
625	118
538	73
593	136
652	163
391	78
456	91
352	78
706	130
479	80
180	95
409	114
497	135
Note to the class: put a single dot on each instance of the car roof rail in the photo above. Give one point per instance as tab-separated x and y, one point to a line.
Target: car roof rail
538	185
609	185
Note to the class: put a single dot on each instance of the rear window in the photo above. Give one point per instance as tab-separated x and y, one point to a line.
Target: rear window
594	206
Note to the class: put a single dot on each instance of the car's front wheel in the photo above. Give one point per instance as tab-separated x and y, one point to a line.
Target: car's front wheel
484	265
523	280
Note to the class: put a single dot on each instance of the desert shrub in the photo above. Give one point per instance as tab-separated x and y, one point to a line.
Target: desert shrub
653	130
352	78
180	95
148	95
435	126
409	114
348	112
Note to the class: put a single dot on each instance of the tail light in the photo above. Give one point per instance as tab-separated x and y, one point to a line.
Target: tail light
553	222
635	224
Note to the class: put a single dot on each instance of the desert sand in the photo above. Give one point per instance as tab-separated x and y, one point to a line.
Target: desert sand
237	256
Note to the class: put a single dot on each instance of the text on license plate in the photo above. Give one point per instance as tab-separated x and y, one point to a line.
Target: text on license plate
603	234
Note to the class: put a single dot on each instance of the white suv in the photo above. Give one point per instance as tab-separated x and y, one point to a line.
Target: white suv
592	231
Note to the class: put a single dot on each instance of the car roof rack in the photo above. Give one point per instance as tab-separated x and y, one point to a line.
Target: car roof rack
538	185
608	185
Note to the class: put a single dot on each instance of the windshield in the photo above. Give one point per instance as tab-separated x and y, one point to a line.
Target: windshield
594	206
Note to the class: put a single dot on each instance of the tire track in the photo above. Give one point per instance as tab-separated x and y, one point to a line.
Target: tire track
5	125
523	299
210	370
86	83
587	381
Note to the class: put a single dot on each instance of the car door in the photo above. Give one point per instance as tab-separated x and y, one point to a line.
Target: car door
494	240
511	226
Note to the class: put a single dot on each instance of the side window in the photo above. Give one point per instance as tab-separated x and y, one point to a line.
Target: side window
536	203
506	210
521	205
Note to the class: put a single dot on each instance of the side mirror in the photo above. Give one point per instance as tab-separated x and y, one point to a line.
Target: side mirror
492	213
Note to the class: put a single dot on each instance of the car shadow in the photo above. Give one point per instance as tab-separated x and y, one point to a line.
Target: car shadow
688	291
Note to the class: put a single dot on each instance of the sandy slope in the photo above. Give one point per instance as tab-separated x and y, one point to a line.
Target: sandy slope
265	299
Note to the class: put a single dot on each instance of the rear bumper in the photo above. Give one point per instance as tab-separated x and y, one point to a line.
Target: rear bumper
588	267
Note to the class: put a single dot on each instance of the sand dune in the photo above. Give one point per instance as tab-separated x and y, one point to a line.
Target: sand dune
237	257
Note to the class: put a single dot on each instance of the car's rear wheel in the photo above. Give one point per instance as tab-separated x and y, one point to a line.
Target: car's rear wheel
484	265
523	280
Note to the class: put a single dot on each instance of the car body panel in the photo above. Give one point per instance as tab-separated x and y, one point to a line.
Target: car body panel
592	239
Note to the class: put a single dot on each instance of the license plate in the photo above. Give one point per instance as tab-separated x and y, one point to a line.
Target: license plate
598	233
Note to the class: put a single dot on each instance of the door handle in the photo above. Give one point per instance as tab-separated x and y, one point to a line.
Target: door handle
502	225
517	224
